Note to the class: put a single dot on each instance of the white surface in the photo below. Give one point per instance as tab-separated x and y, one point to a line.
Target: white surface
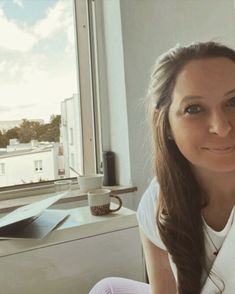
80	224
73	258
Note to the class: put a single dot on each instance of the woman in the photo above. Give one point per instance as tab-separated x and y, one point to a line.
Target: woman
186	215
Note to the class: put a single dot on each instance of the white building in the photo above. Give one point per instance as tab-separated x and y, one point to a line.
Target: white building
31	162
71	125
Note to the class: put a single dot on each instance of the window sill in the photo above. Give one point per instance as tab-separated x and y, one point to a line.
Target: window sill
7	205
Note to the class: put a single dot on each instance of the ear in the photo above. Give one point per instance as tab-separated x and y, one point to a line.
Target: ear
168	129
169	134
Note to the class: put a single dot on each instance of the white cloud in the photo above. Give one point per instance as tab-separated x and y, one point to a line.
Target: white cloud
33	84
19	3
14	37
3	65
45	93
33	78
58	18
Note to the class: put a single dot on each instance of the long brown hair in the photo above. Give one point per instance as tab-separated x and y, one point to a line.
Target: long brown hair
181	198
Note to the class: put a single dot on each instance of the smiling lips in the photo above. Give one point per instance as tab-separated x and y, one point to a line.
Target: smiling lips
220	150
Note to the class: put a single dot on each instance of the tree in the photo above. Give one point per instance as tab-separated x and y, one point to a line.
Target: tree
33	130
3	140
52	130
55	120
12	133
27	131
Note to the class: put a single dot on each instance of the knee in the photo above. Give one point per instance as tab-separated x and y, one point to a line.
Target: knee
104	286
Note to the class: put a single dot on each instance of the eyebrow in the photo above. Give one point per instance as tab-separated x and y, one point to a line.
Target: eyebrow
230	92
192	97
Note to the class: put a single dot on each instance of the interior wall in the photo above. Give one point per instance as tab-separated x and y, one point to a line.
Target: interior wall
116	102
147	29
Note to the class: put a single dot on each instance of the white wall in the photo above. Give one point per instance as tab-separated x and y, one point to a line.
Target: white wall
116	90
21	169
71	125
136	32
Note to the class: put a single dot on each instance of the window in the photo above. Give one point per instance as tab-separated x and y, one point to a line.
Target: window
71	136
38	165
2	169
40	78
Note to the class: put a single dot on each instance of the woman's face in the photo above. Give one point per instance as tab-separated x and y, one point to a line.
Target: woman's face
202	114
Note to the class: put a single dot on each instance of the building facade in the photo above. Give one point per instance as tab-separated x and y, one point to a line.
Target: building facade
72	144
30	162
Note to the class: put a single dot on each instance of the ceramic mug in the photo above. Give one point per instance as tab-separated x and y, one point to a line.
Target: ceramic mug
99	201
90	182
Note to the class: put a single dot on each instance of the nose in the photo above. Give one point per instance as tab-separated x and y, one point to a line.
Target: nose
220	124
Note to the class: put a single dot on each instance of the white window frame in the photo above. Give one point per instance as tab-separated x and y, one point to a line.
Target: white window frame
100	88
82	11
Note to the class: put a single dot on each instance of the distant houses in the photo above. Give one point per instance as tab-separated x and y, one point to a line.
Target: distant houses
30	162
22	163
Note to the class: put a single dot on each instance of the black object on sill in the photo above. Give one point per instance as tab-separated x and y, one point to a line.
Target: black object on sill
109	168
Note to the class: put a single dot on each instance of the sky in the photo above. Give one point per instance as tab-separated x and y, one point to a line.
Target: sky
37	58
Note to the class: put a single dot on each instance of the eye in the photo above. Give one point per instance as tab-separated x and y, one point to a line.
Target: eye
193	109
231	102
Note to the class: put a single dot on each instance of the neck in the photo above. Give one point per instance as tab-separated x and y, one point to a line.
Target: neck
219	187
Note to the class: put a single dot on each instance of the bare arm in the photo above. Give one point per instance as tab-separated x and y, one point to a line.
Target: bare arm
159	270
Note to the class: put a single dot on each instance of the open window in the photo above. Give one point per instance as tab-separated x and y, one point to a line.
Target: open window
47	111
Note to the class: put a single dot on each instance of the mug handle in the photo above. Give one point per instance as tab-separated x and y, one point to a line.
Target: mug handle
120	203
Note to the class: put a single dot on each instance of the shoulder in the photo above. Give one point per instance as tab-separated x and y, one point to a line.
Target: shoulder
149	199
146	214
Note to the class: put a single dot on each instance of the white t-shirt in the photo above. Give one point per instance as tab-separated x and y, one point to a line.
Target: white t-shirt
146	215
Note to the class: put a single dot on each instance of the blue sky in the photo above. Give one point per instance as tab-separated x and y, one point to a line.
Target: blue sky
37	57
26	10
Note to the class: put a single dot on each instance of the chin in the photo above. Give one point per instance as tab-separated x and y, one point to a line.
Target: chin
221	168
214	167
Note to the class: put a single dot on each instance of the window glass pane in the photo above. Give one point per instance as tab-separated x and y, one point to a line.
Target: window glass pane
38	79
38	165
